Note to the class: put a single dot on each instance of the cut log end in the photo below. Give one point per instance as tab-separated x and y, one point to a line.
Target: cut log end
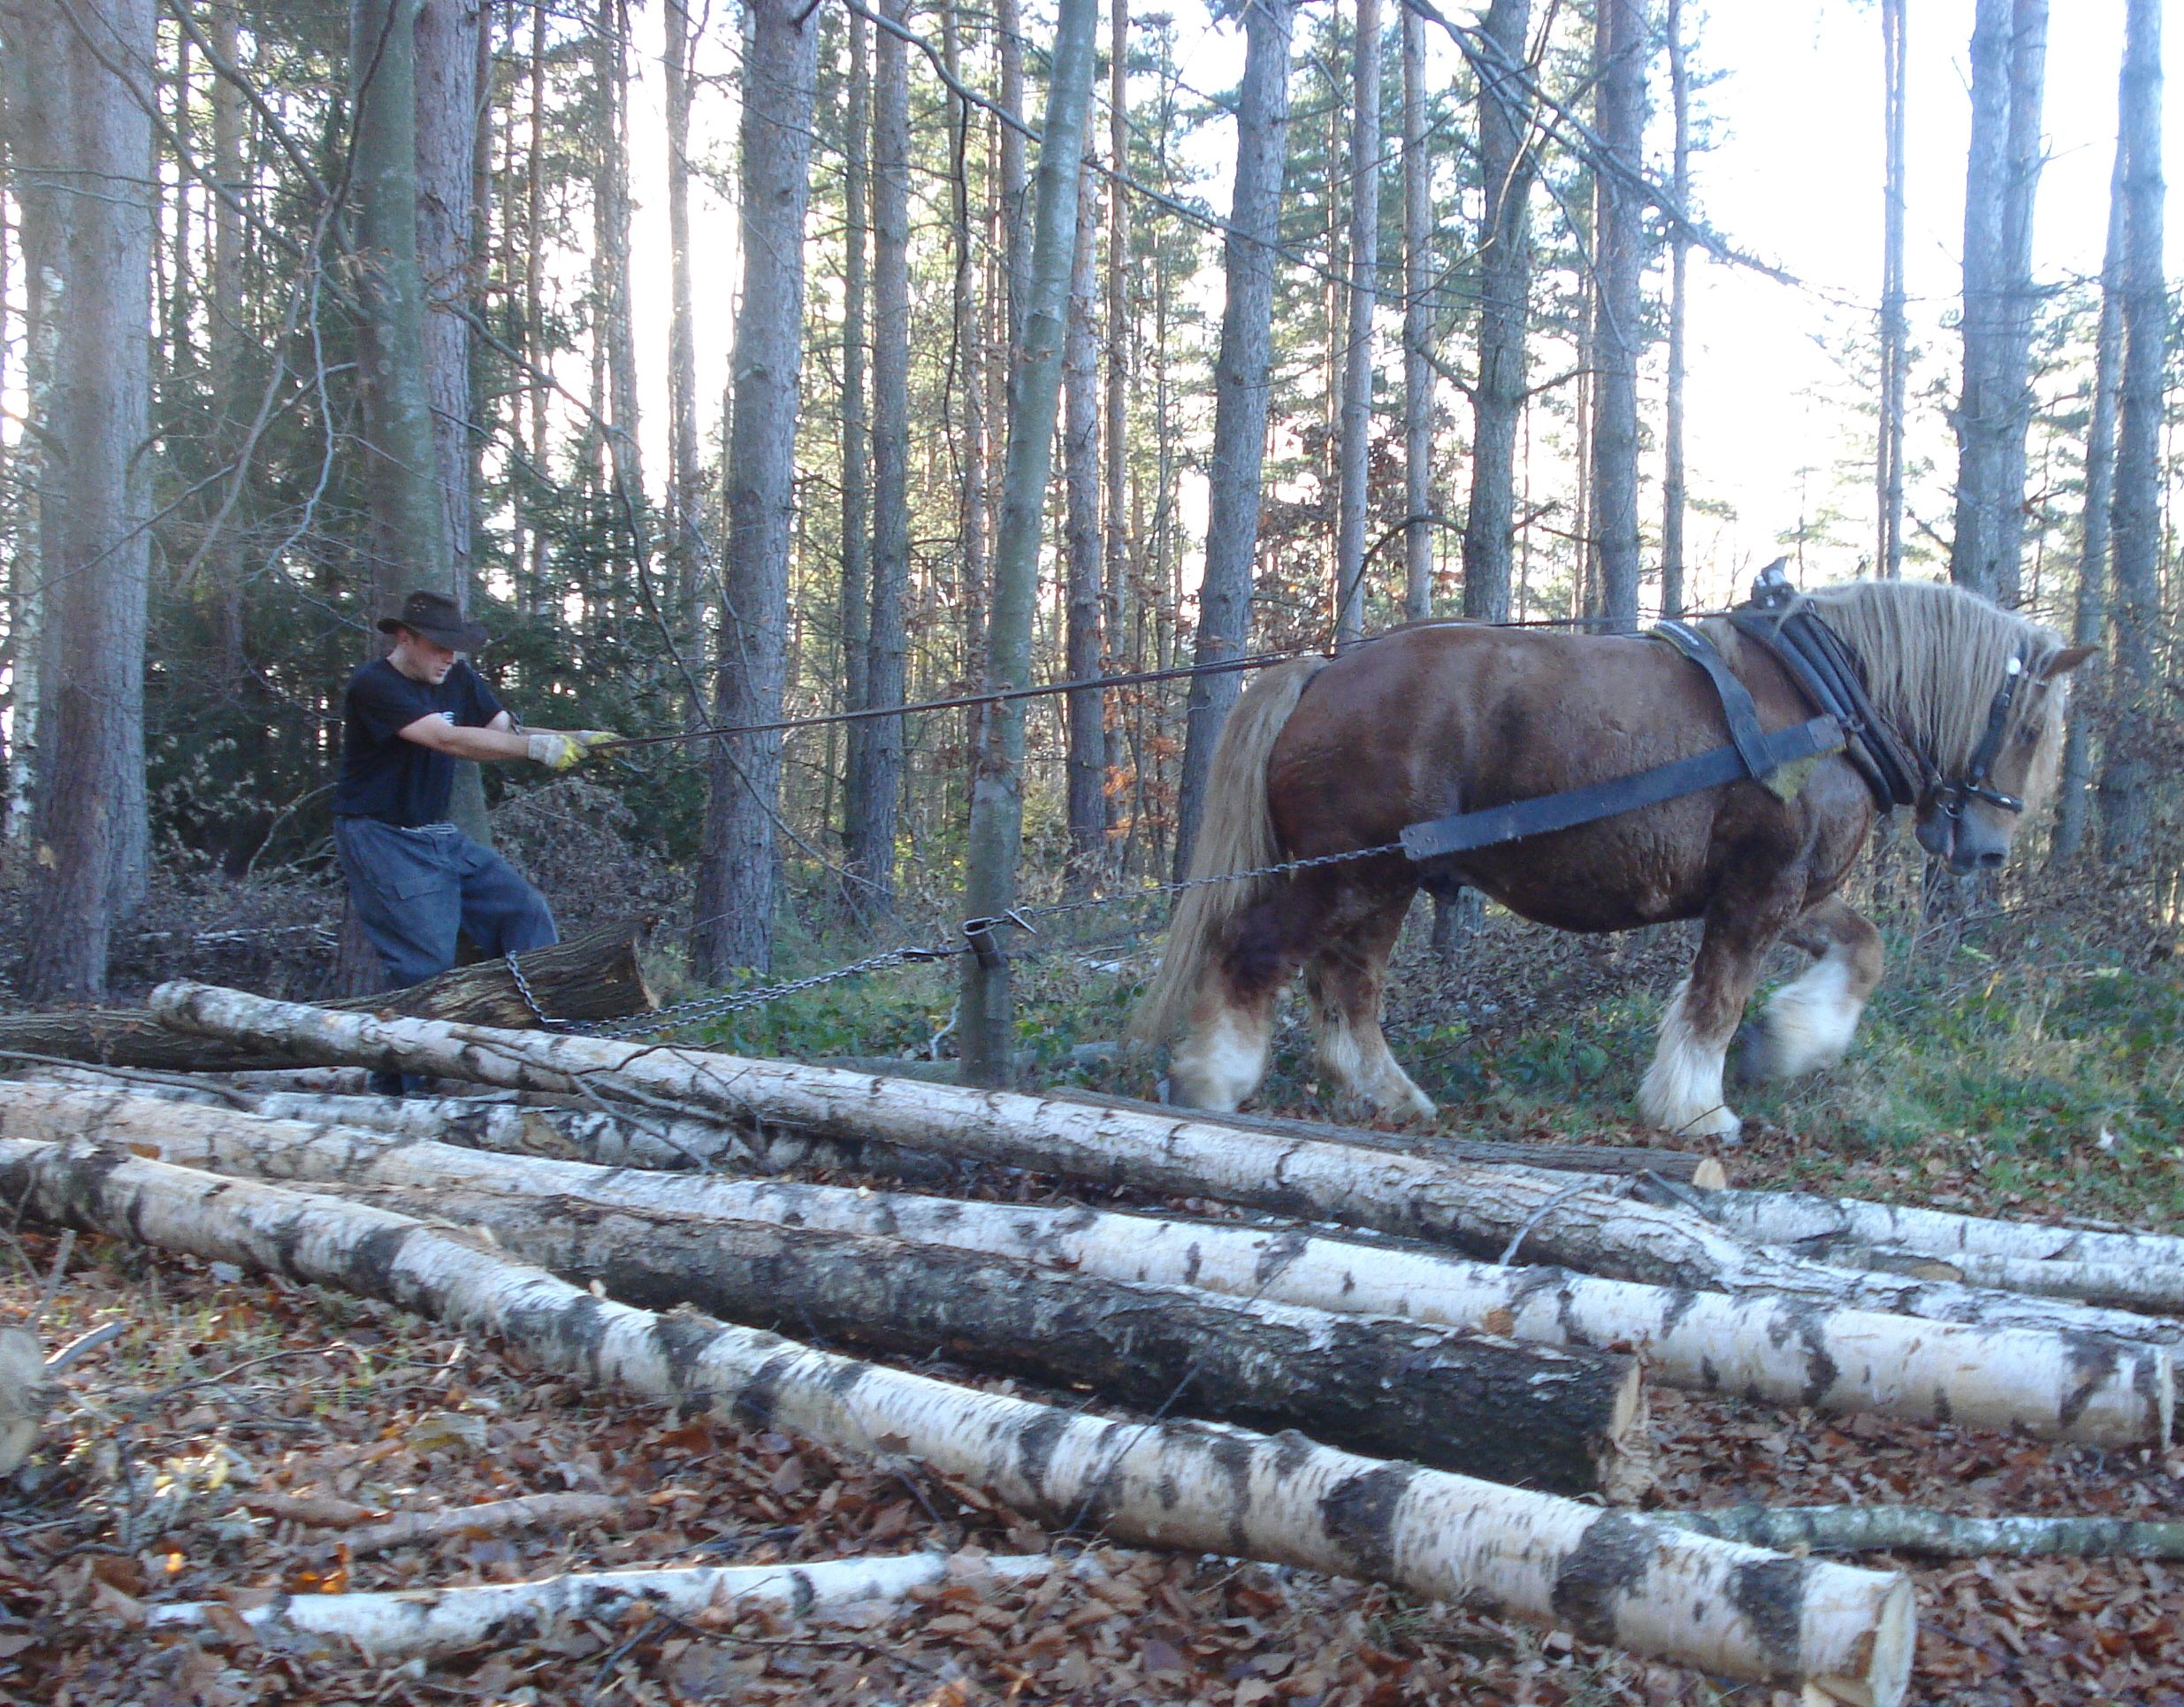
1709	1175
1884	1679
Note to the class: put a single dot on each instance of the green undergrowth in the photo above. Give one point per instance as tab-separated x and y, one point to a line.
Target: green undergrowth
2041	1078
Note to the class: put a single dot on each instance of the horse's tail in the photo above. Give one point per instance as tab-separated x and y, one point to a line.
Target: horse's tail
1235	833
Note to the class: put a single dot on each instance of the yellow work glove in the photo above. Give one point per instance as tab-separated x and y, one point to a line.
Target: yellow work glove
558	750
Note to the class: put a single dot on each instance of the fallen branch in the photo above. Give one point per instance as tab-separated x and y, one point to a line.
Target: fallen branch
1941	1534
1480	1209
1612	1577
426	1623
493	1518
1571	1423
1788	1351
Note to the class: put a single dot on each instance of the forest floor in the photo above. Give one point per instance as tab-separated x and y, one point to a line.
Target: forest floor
2030	1063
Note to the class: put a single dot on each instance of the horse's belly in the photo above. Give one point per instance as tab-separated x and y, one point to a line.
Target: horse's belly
1593	879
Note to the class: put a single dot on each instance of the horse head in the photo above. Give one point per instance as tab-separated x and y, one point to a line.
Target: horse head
1969	819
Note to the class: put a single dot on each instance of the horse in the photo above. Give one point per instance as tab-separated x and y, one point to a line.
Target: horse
1336	755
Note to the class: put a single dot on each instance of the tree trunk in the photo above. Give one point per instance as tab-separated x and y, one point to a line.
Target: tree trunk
1418	330
997	782
1239	405
2089	620
1505	288
857	446
1895	331
1772	1348
1489	1211
736	877
1938	1535
1565	1421
2128	775
92	835
1672	476
427	1623
1354	498
2009	52
594	976
686	483
874	790
1114	597
1612	1577
1619	327
1085	761
970	358
230	343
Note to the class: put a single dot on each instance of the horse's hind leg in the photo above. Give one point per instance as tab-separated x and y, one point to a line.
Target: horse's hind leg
1682	1092
1345	977
1808	1023
1222	1054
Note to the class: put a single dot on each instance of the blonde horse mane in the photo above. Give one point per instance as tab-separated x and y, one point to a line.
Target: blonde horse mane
1935	657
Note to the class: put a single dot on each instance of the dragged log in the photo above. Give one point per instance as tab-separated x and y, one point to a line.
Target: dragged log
594	976
1612	1577
1486	1211
2064	1385
427	1623
1572	1422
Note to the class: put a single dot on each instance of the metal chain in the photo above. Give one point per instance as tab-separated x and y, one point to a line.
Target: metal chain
1055	908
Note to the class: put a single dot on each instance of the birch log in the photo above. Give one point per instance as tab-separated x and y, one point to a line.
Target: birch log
1609	1576
1559	1219
427	1623
1941	1534
1571	1423
1787	1351
2130	1271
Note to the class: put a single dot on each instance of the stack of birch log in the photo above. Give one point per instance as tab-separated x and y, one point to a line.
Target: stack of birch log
1448	1345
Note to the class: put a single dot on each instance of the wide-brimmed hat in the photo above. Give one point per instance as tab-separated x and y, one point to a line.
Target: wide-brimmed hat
437	618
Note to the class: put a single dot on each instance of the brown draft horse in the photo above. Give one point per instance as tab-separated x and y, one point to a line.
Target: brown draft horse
1327	755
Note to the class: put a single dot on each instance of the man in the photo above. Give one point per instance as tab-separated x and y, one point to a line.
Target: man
413	878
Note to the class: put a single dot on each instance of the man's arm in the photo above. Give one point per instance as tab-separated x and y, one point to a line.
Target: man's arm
496	740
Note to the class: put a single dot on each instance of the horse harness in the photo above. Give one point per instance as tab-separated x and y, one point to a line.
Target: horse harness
1824	670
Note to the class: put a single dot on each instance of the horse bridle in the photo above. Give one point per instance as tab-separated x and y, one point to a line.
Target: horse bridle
1950	797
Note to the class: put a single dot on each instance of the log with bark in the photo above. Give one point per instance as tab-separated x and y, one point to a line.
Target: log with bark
1784	1350
2130	1271
426	1623
1573	1220
1572	1422
594	976
1939	1534
1610	1576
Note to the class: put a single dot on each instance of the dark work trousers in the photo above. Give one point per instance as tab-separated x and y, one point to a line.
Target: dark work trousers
415	889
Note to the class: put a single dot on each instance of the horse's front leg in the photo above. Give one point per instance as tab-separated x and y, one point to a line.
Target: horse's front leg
1809	1021
1682	1093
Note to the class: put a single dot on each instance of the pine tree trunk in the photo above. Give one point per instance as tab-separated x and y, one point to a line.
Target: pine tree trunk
230	343
857	448
1354	498
92	832
1505	286
1240	407
970	360
1115	594
736	874
1619	320
1672	476
2009	51
1418	330
1895	331
2129	775
1086	758
875	791
686	532
997	779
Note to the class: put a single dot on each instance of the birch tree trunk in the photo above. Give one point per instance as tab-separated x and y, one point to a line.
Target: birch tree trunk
1494	1212
737	876
2089	616
2128	775
998	781
1353	496
1619	328
1612	1577
1505	287
1938	1534
1086	757
1418	330
1783	1351
874	790
1240	401
92	834
1568	1423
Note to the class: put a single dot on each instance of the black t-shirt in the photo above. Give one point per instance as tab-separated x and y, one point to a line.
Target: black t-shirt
386	777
